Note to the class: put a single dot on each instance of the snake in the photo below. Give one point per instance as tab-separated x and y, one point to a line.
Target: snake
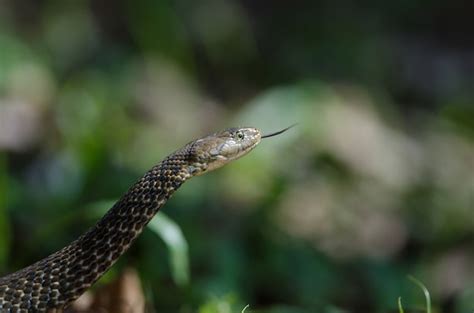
51	284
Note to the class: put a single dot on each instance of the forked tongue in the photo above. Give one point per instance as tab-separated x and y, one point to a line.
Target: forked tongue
278	132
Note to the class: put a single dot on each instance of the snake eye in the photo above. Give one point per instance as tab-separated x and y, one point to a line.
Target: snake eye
239	135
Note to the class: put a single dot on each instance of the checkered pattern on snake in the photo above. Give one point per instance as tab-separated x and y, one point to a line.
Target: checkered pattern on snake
50	284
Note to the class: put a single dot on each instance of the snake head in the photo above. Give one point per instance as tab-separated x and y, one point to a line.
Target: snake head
218	149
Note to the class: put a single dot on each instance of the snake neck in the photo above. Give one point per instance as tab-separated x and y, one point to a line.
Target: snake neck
60	278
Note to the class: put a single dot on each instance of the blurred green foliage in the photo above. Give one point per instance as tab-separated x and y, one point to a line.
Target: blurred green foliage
177	245
374	183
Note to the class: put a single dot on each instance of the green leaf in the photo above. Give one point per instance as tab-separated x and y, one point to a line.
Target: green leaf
177	245
222	304
400	307
425	291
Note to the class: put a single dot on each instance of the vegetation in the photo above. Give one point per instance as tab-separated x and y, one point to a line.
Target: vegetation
375	182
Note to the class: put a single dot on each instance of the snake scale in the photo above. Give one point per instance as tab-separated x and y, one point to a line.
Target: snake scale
50	284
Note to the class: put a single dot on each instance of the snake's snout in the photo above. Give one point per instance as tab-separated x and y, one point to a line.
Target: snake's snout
251	138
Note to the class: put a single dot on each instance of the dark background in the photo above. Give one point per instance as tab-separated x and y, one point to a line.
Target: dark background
375	182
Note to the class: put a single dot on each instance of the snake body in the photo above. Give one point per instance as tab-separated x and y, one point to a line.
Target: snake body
50	284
